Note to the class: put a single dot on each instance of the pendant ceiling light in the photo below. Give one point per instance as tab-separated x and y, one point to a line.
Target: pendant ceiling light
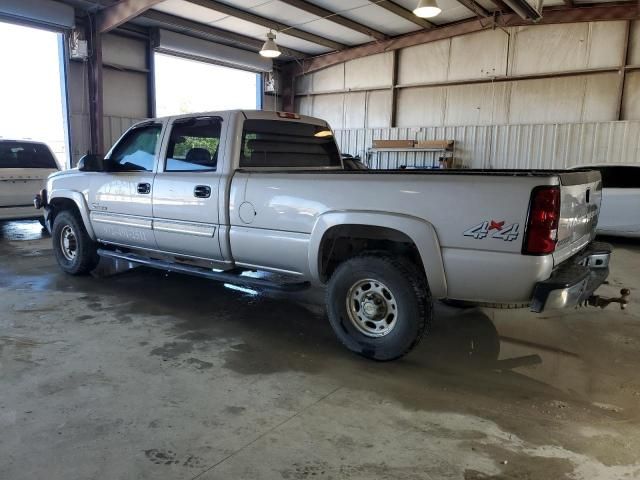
270	48
427	9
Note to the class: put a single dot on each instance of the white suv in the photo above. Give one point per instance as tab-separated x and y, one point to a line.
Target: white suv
24	168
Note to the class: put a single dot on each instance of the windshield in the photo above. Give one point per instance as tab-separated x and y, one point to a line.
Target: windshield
26	155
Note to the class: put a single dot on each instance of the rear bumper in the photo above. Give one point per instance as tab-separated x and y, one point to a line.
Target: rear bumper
575	280
19	212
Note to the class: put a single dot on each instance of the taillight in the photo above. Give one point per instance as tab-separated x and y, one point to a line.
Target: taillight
542	227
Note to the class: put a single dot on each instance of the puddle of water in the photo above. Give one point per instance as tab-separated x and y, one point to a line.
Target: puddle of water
22	230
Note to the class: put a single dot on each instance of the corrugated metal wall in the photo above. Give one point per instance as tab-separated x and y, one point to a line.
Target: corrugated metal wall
540	96
542	146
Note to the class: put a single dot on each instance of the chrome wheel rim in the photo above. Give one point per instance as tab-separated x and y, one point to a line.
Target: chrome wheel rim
372	308
68	243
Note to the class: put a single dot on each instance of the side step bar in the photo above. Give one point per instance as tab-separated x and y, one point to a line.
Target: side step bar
206	273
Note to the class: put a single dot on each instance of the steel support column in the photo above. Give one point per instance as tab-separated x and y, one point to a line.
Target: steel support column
286	81
96	109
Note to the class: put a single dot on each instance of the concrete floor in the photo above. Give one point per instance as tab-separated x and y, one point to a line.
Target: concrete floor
147	375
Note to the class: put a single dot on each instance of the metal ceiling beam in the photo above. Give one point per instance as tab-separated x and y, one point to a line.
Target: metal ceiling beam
402	12
268	23
115	15
503	7
476	8
561	15
207	32
335	18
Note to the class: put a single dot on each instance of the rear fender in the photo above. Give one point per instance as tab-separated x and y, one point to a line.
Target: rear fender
421	233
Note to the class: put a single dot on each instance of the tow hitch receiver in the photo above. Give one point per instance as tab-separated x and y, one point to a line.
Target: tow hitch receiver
603	302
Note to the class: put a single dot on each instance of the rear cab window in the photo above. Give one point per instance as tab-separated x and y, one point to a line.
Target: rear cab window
288	145
15	154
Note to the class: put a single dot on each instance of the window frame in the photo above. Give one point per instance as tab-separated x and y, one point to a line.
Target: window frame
179	120
130	132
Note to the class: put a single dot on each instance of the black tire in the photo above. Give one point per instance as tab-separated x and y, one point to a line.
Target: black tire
410	299
85	257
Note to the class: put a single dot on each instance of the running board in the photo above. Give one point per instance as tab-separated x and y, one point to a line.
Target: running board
206	273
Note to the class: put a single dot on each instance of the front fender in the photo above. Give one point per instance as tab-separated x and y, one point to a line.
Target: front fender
81	204
421	233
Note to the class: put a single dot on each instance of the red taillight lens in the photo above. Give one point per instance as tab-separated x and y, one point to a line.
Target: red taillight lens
542	228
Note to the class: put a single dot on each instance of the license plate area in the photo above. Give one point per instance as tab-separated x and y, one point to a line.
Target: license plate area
596	260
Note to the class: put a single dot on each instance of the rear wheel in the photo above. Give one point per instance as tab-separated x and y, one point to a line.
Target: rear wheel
74	250
378	305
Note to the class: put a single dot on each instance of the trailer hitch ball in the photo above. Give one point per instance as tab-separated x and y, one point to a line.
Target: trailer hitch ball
603	302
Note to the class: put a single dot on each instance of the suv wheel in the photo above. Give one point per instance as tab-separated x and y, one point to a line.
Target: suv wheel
74	250
379	306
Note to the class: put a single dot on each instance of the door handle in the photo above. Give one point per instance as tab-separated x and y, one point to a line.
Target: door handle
202	191
144	188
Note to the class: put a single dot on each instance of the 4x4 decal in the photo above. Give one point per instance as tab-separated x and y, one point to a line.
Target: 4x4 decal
494	229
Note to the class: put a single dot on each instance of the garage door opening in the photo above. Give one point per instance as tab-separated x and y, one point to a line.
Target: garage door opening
32	92
188	86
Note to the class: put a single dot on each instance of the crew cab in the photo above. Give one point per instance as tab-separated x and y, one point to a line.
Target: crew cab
24	168
222	193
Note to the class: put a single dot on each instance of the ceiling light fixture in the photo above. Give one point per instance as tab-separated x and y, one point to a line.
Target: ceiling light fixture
270	48
427	9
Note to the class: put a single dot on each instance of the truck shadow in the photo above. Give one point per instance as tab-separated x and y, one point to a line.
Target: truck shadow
275	332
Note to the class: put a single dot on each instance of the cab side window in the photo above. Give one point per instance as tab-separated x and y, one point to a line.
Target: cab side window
136	151
193	145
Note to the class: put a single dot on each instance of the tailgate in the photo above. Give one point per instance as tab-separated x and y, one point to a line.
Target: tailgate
18	186
580	197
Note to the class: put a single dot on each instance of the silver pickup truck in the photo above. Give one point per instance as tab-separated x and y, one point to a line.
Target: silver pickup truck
221	194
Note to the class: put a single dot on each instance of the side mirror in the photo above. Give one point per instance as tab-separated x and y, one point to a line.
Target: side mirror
91	163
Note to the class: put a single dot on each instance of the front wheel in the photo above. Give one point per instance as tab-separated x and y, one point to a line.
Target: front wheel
379	306
74	250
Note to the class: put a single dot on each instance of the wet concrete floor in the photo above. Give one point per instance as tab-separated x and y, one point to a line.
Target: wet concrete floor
144	374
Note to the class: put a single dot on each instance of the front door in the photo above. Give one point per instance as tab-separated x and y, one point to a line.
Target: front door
186	189
120	199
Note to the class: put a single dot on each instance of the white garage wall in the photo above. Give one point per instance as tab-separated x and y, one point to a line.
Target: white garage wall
524	76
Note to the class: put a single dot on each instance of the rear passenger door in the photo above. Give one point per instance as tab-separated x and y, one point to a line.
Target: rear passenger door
186	189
